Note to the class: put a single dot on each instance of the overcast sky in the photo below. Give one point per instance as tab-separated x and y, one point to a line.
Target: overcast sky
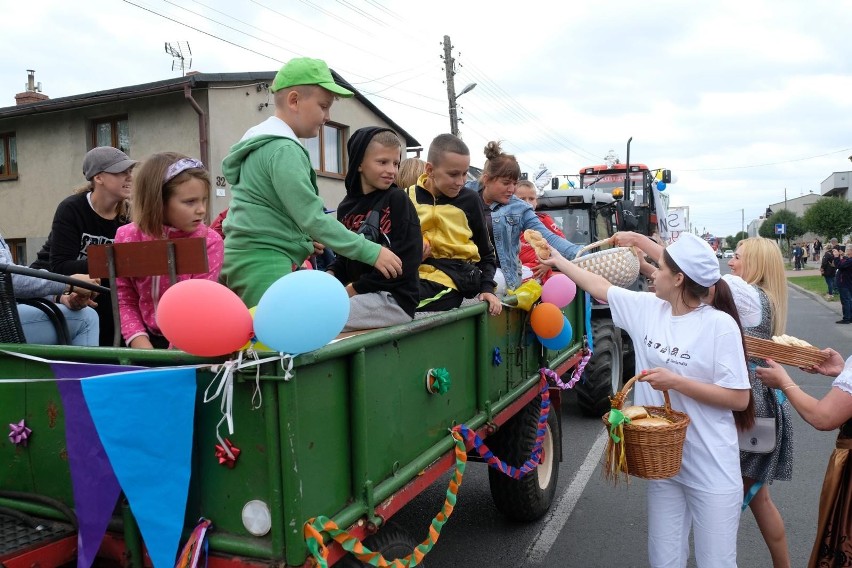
740	99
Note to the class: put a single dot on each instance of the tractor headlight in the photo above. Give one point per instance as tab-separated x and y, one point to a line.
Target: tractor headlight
256	517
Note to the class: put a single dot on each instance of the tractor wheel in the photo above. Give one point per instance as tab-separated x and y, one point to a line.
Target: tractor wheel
602	378
528	498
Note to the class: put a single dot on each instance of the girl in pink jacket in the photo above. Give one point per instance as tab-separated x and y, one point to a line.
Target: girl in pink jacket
170	194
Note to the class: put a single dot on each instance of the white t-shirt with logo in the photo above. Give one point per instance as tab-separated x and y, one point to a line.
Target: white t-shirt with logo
704	345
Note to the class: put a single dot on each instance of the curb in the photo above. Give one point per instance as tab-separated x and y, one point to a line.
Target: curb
833	307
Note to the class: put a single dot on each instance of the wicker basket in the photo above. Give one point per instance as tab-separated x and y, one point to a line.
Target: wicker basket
649	452
784	354
619	265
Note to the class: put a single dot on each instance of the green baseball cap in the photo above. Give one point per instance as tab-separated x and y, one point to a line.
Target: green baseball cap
307	71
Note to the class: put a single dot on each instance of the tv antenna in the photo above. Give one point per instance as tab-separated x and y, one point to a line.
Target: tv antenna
181	55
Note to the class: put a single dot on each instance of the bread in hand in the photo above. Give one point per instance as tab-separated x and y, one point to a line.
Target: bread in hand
539	243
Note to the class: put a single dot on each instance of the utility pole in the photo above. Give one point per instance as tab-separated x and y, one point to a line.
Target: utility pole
450	70
452	97
742	220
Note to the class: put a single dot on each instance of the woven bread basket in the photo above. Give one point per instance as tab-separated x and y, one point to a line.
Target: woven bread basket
652	452
619	265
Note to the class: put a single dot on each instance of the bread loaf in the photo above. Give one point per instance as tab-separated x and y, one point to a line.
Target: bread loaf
790	341
635	412
653	421
539	243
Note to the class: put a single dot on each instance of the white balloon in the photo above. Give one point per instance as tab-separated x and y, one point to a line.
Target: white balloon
674	178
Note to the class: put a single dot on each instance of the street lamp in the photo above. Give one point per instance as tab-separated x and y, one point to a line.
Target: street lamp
454	120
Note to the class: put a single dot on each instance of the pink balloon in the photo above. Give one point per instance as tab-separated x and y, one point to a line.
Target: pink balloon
204	318
559	290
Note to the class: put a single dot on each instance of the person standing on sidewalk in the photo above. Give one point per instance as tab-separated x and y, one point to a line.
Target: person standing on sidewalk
797	256
843	263
828	271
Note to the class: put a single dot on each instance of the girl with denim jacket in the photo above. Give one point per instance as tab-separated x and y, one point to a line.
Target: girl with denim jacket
510	216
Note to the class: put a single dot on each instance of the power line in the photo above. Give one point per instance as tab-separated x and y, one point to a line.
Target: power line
201	31
358	10
769	163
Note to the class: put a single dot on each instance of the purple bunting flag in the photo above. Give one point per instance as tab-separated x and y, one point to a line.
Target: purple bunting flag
145	422
95	487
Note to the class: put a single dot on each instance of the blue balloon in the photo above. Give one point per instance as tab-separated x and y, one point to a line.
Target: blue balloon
661	185
562	340
301	311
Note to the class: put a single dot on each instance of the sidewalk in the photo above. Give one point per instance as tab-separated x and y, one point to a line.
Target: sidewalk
834	306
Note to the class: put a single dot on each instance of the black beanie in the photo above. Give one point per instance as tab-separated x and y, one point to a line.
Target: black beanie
356	147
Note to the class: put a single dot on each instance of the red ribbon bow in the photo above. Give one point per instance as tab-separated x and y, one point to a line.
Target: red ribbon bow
228	454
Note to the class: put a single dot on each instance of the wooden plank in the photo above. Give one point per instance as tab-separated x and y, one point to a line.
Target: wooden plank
149	258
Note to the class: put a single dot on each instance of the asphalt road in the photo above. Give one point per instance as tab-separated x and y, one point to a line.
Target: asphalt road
592	523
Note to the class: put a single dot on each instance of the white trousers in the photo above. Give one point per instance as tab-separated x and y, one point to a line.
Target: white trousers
674	509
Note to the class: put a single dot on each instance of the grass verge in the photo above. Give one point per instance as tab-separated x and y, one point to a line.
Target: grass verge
814	284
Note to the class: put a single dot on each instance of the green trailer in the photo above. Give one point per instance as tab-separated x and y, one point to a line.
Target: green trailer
354	434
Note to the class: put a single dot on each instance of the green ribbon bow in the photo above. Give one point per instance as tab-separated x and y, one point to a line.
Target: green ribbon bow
442	380
616	419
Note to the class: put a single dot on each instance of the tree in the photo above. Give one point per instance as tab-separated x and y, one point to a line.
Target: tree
829	217
735	240
795	228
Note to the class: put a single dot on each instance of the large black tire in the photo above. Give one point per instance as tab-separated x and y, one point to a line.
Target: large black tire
392	541
602	378
530	497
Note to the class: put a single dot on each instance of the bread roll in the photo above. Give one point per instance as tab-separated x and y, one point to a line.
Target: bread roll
654	421
539	243
635	412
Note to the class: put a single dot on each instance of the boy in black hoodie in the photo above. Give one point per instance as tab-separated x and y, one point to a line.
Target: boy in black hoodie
376	301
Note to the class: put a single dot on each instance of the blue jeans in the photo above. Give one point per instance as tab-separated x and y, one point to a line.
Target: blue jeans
846	302
832	286
83	326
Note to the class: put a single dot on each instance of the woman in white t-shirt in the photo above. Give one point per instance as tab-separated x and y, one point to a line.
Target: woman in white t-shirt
695	351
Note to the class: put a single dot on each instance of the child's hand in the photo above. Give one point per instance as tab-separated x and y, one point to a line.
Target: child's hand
773	375
494	305
141	342
427	249
540	270
319	248
388	264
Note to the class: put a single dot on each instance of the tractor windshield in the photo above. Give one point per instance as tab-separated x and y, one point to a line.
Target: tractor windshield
574	223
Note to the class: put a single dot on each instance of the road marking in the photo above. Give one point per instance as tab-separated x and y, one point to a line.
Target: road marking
540	547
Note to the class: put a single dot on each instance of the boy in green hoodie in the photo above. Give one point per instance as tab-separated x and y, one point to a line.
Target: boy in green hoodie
276	213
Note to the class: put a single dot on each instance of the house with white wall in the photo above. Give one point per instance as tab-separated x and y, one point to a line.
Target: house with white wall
43	140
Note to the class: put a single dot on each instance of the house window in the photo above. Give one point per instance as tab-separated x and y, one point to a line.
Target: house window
326	150
18	248
8	156
113	132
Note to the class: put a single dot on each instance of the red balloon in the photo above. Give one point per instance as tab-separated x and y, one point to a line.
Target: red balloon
204	318
547	320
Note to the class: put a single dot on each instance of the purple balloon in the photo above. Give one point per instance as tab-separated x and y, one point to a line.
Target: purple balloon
559	290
